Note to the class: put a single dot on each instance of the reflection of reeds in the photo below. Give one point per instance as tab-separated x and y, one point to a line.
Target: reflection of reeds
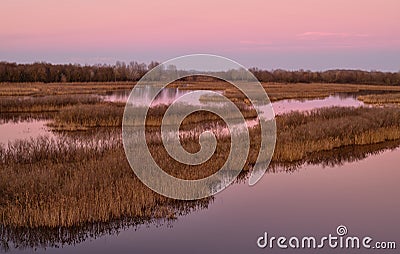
337	156
43	104
44	237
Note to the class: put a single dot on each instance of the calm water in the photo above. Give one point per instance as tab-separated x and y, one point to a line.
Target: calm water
312	200
23	129
168	95
285	106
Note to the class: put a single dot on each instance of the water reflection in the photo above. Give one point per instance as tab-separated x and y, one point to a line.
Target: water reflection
286	106
22	238
337	156
168	95
23	129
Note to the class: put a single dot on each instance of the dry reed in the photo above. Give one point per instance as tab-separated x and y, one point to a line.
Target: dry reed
43	104
389	98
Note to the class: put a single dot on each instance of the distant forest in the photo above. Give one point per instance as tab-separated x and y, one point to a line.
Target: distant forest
47	73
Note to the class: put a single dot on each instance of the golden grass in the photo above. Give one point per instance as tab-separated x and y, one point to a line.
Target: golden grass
54	183
83	117
43	104
276	91
42	89
86	179
388	98
81	184
279	91
301	134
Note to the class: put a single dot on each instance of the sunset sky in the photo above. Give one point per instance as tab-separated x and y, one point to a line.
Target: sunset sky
288	34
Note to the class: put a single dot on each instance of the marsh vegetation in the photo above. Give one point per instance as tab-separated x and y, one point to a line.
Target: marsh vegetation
77	179
81	177
388	98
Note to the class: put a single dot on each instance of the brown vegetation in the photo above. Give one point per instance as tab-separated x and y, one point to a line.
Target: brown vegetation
389	98
301	134
42	89
55	183
82	117
279	91
71	181
43	104
276	91
84	177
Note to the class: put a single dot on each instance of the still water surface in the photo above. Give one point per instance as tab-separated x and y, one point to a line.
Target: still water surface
23	129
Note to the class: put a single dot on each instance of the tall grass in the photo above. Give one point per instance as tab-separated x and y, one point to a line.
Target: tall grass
300	134
82	117
53	183
25	117
78	179
43	104
44	236
42	89
278	92
389	98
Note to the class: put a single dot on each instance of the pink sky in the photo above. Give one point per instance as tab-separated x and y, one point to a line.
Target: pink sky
270	34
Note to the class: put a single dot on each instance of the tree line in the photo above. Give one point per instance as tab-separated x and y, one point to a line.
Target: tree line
329	76
47	73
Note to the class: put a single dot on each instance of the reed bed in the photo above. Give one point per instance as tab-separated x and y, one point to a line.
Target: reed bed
83	178
301	134
389	98
25	117
78	179
44	104
84	117
304	134
64	183
58	237
276	91
42	89
281	91
43	237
